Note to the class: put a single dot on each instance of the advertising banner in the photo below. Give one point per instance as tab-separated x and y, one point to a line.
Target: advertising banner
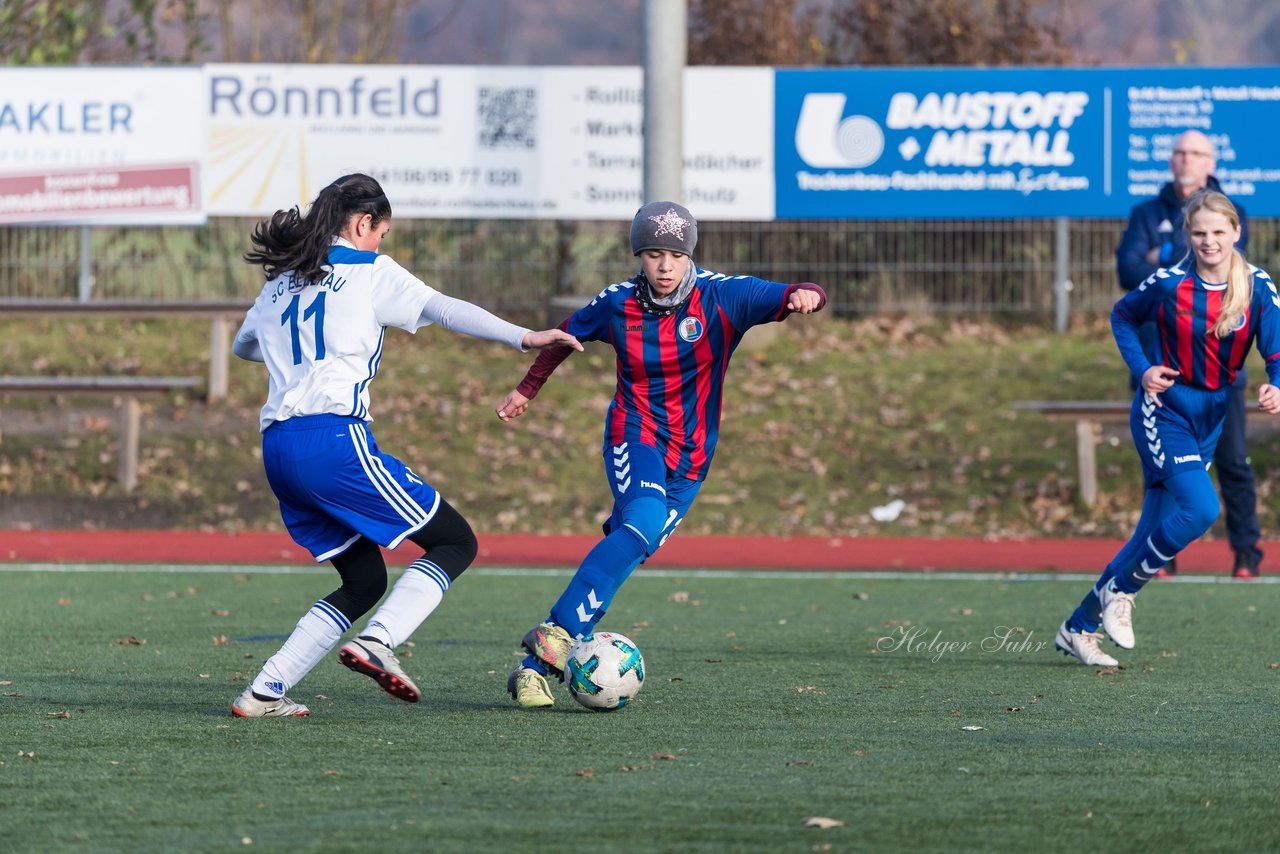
463	141
119	146
899	143
174	145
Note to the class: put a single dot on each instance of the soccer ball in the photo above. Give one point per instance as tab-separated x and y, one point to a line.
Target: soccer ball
605	671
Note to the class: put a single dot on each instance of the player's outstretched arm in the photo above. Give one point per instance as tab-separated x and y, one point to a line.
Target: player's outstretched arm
512	406
550	338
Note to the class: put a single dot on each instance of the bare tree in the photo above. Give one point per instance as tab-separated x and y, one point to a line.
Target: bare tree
67	32
876	32
945	32
751	32
311	31
1218	32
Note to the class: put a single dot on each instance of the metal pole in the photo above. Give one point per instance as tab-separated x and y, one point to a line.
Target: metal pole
86	266
1061	284
665	50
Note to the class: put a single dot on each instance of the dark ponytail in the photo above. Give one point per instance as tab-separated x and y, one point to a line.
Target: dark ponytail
288	240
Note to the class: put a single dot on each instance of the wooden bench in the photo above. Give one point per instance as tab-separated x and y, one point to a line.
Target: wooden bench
1089	416
222	313
126	389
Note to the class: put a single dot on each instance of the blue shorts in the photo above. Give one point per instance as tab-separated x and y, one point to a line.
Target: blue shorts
634	471
334	485
1180	435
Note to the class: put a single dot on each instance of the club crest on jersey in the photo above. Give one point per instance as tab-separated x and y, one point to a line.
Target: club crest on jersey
690	329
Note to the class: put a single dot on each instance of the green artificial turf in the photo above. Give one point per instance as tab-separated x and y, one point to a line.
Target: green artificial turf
769	699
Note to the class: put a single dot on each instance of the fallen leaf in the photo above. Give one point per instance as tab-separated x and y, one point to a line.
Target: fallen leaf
219	640
665	756
822	821
131	641
221	613
679	596
62	714
585	772
63	600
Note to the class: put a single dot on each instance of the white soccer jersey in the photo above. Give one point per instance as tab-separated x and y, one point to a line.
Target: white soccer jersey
322	342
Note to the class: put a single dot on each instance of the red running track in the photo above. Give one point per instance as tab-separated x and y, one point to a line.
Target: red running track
529	550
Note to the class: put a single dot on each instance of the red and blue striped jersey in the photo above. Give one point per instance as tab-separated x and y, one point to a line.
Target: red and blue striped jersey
671	369
1185	309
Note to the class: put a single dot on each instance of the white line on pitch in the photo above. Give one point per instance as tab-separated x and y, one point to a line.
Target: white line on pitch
805	575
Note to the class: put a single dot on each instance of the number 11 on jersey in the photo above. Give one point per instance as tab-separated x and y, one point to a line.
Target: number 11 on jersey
315	313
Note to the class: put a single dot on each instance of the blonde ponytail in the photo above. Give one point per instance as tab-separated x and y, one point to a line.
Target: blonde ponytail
1236	300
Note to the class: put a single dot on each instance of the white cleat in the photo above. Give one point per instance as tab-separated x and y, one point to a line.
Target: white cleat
1117	615
1083	646
378	661
249	706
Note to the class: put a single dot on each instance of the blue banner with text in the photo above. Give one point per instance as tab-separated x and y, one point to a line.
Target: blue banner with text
1023	142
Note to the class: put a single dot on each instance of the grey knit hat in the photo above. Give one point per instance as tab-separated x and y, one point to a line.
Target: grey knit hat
664	225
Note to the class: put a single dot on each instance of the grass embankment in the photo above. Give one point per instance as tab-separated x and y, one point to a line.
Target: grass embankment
823	421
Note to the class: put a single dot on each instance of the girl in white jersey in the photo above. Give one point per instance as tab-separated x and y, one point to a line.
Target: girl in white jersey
318	325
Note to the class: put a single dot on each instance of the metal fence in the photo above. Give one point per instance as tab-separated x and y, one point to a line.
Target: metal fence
518	267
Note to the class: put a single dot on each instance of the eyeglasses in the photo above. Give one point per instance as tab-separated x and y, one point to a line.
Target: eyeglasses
1185	152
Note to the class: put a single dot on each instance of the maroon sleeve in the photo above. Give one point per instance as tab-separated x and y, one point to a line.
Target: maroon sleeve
543	366
802	286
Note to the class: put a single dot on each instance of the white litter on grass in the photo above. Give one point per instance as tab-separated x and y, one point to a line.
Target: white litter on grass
888	512
972	728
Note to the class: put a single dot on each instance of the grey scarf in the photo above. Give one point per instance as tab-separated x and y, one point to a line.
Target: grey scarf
662	306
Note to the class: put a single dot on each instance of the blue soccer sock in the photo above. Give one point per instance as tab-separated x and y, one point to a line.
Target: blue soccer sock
1156	504
1197	508
1174	513
597	580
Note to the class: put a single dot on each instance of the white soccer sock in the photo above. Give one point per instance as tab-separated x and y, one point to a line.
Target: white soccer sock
412	600
317	633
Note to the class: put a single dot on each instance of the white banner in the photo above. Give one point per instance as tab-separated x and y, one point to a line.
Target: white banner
101	145
476	141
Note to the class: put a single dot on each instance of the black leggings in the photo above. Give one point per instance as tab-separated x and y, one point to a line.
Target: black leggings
447	541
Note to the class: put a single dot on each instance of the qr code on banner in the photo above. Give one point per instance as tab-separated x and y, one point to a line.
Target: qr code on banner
508	117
